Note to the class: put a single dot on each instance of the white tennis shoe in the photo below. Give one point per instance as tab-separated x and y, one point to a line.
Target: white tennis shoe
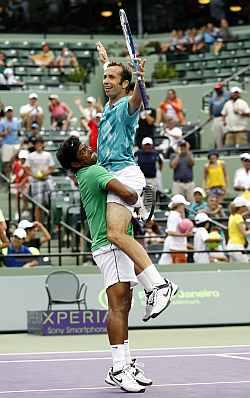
124	379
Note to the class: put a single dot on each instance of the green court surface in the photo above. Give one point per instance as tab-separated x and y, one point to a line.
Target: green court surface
153	338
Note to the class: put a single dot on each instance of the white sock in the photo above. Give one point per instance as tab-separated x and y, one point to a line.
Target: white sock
127	352
145	281
153	276
118	356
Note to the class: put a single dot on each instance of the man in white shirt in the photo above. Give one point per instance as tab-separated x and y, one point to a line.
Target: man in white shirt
32	112
40	166
235	114
242	175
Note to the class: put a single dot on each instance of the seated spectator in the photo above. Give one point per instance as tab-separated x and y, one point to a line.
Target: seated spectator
173	136
45	57
195	40
146	126
171	108
214	209
149	161
20	177
7	78
236	113
9	132
40	165
214	242
202	222
89	112
66	58
60	112
198	204
17	247
32	112
4	241
212	38
32	229
175	240
224	31
237	232
215	176
242	176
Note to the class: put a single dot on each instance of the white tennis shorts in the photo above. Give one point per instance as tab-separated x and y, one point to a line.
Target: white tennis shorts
133	177
115	266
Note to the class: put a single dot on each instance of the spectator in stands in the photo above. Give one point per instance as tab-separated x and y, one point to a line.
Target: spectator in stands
9	132
215	176
152	232
17	247
237	232
2	61
173	135
7	78
146	126
32	112
182	164
4	241
214	209
31	229
216	104
20	177
212	39
175	240
66	59
202	222
224	31
89	112
40	166
198	204
61	113
93	125
31	137
195	40
149	161
215	242
242	176
171	107
236	113
45	57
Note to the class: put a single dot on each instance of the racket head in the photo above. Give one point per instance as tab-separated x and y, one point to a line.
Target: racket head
128	36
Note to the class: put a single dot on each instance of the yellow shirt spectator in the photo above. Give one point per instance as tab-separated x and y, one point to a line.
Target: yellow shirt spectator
234	233
215	175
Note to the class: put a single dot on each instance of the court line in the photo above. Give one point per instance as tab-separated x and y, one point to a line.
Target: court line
234	356
109	388
135	349
215	354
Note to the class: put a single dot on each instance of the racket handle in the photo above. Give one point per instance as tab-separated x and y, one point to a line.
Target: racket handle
144	97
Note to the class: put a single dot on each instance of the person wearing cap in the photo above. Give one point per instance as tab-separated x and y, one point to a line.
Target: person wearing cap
17	247
175	239
149	161
45	57
92	108
198	204
32	112
242	176
40	165
216	104
31	229
237	231
10	127
215	176
202	222
20	177
182	163
60	113
235	114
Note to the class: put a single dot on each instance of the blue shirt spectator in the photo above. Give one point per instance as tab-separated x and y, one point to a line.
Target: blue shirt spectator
17	247
9	128
198	203
147	158
218	99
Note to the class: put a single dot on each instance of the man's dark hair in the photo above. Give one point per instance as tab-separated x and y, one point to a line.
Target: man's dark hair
67	152
126	73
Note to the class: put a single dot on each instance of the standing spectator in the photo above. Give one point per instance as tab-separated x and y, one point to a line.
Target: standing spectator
60	112
216	104
198	204
31	229
214	209
202	222
66	59
17	247
45	57
242	176
237	232
32	112
171	107
93	107
4	241
182	164
236	113
93	125
40	166
20	176
149	160
215	176
175	240
146	126
9	132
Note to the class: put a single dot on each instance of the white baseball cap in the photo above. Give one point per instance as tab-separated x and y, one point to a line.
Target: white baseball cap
99	114
178	200
53	96
74	133
8	108
240	202
25	224
235	89
20	233
23	154
147	140
33	95
200	218
245	156
200	190
91	99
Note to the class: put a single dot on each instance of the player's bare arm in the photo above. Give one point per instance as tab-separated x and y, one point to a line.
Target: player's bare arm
126	193
135	100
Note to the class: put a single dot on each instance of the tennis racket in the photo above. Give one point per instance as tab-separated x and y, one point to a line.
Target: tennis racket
133	56
148	201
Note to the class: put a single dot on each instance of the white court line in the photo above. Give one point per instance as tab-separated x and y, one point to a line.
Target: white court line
109	388
135	349
215	354
234	356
